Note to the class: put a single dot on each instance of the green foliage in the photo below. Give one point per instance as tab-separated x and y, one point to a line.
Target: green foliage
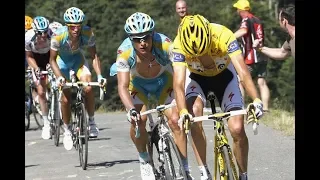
107	18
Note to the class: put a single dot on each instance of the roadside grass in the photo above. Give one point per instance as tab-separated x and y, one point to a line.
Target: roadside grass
281	120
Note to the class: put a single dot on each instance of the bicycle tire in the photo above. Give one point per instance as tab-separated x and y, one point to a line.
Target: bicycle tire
34	110
152	148
56	118
74	129
229	174
168	164
83	135
27	116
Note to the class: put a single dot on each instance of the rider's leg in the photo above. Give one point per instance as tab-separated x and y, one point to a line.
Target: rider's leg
84	74
66	115
66	105
179	136
141	144
195	106
139	98
195	103
240	141
236	123
42	90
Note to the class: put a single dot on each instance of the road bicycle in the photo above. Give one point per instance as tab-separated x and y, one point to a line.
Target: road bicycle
169	164
80	125
224	164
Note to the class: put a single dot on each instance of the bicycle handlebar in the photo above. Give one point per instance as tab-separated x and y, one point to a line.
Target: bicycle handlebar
81	84
159	108
219	115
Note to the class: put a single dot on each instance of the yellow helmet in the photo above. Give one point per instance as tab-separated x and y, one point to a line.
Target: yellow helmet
28	22
194	34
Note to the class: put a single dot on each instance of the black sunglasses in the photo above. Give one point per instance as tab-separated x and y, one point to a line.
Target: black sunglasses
41	32
139	39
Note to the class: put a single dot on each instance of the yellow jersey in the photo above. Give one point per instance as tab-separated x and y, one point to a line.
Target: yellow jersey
223	46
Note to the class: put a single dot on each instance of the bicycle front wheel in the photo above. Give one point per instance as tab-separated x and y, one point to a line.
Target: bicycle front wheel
35	109
27	116
225	165
55	108
83	135
153	150
172	161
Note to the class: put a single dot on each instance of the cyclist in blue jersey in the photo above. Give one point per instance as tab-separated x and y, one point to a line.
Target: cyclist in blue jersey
66	54
143	67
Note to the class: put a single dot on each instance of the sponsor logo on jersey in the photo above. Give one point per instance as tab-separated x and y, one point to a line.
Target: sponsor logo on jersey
233	46
177	57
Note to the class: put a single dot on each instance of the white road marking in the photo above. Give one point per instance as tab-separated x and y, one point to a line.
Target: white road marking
72	176
125	171
31	143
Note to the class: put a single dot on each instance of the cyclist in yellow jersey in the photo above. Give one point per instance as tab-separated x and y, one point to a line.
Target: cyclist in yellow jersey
212	54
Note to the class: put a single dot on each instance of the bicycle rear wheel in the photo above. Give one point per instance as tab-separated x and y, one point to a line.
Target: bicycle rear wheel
27	116
172	161
83	135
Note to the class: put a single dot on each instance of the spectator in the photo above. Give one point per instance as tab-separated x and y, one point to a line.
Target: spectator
287	23
181	8
250	29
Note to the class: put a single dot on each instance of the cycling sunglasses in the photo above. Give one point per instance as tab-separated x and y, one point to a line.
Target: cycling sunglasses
137	38
74	26
41	32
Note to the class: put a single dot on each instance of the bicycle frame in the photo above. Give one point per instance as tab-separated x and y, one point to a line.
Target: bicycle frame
221	141
165	145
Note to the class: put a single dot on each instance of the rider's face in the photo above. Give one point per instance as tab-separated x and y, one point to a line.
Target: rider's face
74	29
42	35
142	42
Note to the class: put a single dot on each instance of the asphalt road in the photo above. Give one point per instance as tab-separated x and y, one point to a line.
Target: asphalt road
113	156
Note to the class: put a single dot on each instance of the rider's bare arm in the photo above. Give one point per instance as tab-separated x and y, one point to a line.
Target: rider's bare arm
123	85
31	61
179	77
95	60
244	75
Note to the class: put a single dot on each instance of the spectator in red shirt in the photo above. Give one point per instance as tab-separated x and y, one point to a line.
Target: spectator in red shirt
250	29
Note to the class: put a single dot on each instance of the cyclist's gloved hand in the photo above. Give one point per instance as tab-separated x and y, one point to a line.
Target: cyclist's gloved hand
184	114
132	115
37	73
101	79
258	107
60	81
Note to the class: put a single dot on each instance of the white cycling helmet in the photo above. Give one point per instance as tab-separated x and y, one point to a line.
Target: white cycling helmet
73	15
139	23
54	26
40	23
